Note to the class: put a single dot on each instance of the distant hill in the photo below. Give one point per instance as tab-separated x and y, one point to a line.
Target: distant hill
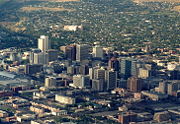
175	8
171	1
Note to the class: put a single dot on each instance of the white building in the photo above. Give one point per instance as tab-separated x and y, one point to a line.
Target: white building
44	43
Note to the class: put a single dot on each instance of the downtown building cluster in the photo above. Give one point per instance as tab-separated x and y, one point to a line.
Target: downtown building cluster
82	82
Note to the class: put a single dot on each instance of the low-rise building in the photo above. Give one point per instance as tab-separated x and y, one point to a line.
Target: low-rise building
65	99
37	109
161	116
154	96
25	117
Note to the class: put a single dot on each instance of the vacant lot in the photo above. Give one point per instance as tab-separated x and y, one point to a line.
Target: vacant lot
177	8
45	9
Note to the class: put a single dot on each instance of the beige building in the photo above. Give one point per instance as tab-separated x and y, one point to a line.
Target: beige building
44	43
36	109
143	73
64	99
50	82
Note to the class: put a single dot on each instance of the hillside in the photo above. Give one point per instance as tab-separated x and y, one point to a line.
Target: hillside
121	22
170	1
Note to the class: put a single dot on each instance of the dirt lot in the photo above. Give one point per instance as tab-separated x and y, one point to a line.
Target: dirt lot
44	8
61	0
177	8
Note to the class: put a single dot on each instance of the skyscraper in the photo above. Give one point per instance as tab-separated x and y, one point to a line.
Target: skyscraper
50	82
99	73
52	54
44	43
97	85
81	81
41	58
128	68
107	78
98	51
33	51
70	52
134	84
82	52
113	64
111	79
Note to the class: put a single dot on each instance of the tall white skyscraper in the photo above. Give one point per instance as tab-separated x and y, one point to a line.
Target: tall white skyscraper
44	43
82	52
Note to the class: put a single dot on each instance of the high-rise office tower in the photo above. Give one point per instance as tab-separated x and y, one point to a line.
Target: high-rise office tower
113	64
81	81
50	82
84	69
98	51
44	43
52	54
134	68
111	79
128	68
70	52
91	73
99	73
41	58
82	52
31	58
97	85
135	84
108	77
